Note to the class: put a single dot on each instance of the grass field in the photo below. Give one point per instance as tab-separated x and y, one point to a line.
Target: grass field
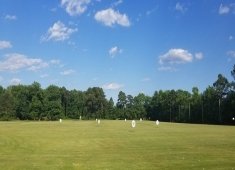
115	145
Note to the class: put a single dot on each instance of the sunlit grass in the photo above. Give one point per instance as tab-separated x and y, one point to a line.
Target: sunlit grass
115	145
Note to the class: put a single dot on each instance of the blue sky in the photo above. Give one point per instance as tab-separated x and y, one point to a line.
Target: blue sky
133	46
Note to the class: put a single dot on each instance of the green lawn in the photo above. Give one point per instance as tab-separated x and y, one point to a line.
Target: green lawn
115	145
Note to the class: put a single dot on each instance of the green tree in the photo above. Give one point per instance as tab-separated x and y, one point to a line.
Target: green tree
64	100
196	106
221	86
140	103
7	111
75	104
110	110
52	102
210	105
22	101
122	101
95	102
36	108
36	98
153	107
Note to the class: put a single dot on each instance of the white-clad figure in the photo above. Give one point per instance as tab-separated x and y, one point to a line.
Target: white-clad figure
157	122
60	120
98	121
140	119
125	120
133	123
80	117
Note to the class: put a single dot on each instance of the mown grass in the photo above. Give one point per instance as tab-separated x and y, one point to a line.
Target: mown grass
115	145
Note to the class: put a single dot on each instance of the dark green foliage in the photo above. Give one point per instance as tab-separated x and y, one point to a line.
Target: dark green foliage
7	111
53	105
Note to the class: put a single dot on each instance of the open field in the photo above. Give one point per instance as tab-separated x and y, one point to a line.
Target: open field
115	145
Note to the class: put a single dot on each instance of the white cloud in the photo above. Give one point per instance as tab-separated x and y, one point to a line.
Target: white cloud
53	9
114	51
58	32
145	79
166	68
230	37
75	7
5	44
118	2
180	7
15	81
223	9
151	11
67	72
56	62
44	75
110	17
231	54
15	61
226	9
176	56
112	86
10	17
199	56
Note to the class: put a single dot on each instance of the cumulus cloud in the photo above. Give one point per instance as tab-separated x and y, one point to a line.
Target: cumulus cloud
75	7
10	17
15	61
5	44
58	32
15	81
199	56
223	9
180	7
114	51
67	72
176	56
110	17
112	86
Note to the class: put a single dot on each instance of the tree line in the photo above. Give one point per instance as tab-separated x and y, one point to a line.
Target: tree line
215	105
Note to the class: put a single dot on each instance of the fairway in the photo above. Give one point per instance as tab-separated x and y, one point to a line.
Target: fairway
115	145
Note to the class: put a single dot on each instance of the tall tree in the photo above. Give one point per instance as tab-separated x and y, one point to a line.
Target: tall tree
53	103
121	103
210	105
95	102
221	86
140	102
36	105
196	106
64	99
22	101
110	110
7	111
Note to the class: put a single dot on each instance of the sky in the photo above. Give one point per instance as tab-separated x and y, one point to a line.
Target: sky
133	46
